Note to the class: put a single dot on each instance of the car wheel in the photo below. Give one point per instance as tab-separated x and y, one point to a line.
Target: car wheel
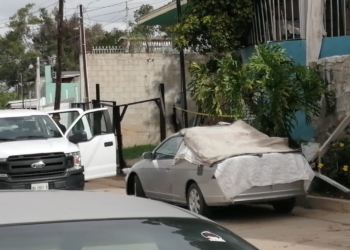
195	201
284	206
138	190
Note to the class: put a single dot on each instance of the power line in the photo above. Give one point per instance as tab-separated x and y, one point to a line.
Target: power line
115	12
114	21
32	58
95	9
109	13
4	21
7	19
104	7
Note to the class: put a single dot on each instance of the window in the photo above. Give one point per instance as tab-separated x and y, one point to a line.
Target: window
125	234
97	123
93	124
66	118
28	127
168	149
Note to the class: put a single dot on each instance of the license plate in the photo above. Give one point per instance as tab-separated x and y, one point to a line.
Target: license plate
40	186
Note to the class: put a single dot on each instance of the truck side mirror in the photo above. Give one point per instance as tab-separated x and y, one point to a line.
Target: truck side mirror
78	136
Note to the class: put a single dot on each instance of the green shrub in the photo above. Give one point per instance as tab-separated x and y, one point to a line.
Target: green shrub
336	162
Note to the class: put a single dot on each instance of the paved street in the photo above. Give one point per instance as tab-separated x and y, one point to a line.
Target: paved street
303	230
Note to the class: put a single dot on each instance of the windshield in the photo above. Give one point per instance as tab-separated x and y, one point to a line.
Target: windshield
127	234
28	127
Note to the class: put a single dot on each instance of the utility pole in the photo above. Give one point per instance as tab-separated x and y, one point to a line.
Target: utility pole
59	57
127	17
83	46
22	91
37	84
182	66
81	69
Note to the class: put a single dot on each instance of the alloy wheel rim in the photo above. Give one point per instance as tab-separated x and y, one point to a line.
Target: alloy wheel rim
194	201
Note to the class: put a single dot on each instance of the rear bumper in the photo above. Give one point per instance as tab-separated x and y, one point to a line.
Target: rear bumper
70	182
266	197
214	196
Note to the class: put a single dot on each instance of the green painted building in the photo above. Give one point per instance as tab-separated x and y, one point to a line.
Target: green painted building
70	88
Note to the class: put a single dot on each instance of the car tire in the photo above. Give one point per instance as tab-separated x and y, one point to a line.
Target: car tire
138	190
196	202
284	206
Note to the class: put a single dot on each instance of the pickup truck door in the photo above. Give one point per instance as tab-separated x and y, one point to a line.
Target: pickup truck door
98	152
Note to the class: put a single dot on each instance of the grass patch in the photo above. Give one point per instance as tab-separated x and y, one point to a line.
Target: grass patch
137	151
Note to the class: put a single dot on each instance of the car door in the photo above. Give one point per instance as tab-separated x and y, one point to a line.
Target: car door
180	174
156	173
98	152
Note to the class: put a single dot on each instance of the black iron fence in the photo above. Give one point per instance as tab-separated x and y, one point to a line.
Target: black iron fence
135	124
81	105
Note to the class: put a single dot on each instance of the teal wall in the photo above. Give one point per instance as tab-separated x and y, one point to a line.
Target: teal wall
331	46
51	88
297	50
335	46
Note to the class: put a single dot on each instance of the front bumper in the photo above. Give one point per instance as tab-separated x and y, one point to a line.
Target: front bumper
70	182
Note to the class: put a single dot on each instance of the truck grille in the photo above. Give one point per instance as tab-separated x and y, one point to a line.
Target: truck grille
25	161
19	167
35	157
37	174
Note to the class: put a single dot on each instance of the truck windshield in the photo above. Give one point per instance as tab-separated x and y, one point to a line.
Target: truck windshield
27	128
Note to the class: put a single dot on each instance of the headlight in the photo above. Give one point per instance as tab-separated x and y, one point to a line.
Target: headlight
76	161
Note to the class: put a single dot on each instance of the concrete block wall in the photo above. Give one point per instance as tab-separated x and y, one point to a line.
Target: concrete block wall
126	78
336	70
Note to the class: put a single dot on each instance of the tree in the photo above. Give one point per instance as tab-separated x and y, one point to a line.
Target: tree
45	39
112	38
142	30
213	26
270	86
34	33
17	51
6	96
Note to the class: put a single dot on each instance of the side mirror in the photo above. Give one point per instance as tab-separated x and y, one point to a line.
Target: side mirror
79	136
147	156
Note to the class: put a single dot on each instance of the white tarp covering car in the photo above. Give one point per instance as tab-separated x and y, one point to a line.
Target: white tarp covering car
206	167
244	156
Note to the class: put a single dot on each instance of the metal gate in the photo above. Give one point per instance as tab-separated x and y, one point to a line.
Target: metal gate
135	123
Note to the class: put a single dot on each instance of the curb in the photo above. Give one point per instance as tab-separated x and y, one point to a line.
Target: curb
323	203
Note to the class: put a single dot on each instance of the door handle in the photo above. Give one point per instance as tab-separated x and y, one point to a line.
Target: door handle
108	144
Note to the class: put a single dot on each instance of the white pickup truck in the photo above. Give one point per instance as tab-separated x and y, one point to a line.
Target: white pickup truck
35	154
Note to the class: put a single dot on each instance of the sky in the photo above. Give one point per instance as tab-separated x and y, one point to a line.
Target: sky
109	13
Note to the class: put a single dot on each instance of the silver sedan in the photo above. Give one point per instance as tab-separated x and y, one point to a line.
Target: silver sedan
195	186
